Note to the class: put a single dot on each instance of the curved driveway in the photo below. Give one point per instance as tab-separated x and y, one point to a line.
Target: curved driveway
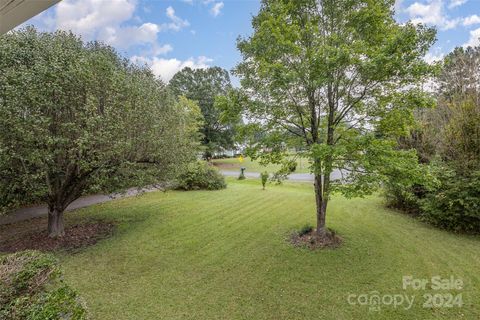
41	210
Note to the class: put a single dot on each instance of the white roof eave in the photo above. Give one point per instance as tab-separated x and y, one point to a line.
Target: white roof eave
15	12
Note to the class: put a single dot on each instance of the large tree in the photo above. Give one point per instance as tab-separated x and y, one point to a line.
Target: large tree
203	86
342	76
78	118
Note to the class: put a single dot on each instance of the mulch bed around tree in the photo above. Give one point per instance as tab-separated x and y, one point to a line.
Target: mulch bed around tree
312	241
32	234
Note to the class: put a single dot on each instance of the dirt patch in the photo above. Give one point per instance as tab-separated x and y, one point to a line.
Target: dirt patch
76	236
312	241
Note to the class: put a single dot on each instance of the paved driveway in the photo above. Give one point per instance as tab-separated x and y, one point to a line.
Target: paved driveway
42	210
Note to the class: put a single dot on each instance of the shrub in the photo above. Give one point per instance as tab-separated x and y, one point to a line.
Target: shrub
455	205
405	187
264	177
201	176
404	197
31	288
292	166
452	202
307	228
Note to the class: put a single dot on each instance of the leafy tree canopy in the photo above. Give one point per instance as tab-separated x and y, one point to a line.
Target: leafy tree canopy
203	86
340	78
77	118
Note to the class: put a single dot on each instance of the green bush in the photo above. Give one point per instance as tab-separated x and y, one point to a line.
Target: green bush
405	187
452	202
455	205
61	303
305	230
404	197
201	176
292	166
31	288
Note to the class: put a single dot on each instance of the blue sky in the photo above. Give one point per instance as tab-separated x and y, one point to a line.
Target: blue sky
169	35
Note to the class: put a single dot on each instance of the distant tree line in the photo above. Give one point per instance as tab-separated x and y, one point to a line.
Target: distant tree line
204	86
447	141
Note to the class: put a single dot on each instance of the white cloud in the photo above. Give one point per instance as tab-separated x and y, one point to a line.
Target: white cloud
398	6
474	38
456	3
90	17
431	13
125	37
161	49
140	60
216	9
435	54
44	21
470	20
176	23
431	58
450	24
87	17
113	22
166	68
104	20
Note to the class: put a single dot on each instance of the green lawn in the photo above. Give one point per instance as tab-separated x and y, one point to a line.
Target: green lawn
223	255
233	164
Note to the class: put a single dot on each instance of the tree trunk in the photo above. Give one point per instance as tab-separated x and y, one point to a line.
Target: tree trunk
56	226
321	218
321	204
322	187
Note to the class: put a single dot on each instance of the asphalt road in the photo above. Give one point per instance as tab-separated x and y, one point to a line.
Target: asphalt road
300	177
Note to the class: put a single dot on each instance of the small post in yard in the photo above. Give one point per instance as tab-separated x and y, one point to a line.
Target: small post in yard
264	177
242	173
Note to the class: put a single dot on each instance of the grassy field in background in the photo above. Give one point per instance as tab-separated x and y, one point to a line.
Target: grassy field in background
233	164
224	255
